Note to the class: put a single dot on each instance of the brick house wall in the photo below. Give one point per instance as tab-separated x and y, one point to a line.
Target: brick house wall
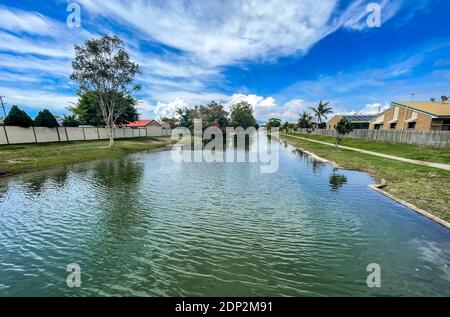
333	122
423	122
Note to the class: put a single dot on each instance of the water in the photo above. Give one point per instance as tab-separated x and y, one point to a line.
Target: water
144	225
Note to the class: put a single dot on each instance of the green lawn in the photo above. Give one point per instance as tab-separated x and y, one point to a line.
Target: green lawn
425	187
15	159
402	150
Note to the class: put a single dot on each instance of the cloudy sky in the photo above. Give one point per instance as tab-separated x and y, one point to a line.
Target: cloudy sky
282	56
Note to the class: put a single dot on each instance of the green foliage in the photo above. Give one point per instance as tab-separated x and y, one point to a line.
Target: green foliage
70	121
342	128
241	115
17	117
46	119
174	122
321	113
102	66
273	123
213	113
305	121
89	111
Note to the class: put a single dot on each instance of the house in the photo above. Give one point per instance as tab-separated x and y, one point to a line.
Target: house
359	121
142	124
166	128
152	126
417	115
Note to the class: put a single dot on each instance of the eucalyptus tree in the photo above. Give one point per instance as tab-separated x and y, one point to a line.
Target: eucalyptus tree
102	66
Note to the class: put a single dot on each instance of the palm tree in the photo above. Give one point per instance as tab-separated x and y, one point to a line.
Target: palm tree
304	120
321	111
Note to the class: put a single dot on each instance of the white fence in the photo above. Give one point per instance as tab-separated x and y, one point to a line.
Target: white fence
437	139
18	135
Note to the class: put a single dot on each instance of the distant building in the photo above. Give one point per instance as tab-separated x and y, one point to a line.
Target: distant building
418	115
360	121
152	127
142	124
166	128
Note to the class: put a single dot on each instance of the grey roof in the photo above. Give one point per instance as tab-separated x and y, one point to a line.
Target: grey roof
359	117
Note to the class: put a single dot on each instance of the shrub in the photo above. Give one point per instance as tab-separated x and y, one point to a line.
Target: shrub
70	121
342	128
46	119
17	117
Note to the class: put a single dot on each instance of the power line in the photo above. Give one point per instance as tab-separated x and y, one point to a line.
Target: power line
3	104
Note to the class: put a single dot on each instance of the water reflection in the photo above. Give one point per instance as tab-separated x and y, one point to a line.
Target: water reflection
337	181
315	165
144	225
37	184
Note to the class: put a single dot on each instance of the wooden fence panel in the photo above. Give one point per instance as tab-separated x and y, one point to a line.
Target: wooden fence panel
436	139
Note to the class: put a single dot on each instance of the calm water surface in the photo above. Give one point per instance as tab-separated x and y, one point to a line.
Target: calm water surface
145	225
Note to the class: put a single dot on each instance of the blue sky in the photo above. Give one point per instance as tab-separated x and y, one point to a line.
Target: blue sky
281	56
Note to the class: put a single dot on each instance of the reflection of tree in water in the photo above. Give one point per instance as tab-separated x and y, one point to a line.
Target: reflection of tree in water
311	162
118	183
121	219
36	184
337	181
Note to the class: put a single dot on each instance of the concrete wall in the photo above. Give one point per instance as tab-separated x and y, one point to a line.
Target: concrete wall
62	134
3	139
154	130
18	135
104	133
75	134
44	135
91	133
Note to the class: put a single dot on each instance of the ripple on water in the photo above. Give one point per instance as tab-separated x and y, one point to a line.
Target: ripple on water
146	226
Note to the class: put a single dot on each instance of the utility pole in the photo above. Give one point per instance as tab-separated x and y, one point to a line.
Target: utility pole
3	104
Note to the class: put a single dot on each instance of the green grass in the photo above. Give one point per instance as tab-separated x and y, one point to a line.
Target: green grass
16	159
425	187
402	150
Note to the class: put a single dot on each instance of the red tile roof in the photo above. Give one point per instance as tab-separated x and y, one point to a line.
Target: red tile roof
141	123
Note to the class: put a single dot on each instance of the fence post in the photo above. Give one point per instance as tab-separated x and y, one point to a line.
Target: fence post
84	134
67	135
6	134
98	133
34	132
57	132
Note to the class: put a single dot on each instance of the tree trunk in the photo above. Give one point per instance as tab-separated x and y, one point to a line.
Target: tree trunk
111	132
111	137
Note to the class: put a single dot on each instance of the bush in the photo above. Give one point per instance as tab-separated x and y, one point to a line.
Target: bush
17	117
70	121
46	119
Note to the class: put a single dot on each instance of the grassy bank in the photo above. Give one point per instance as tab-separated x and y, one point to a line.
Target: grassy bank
425	187
402	150
16	159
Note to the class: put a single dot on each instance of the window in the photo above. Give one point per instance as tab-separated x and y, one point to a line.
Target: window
411	125
378	126
446	125
394	125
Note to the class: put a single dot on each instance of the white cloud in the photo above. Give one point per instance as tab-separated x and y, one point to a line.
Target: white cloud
22	21
38	99
373	108
225	32
168	109
264	107
256	101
